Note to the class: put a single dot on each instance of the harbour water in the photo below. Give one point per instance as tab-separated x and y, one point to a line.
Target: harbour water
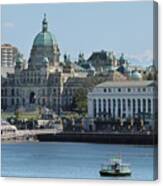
73	160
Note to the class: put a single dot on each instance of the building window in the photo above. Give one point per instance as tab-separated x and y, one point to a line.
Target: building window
43	92
17	101
99	106
149	106
119	107
54	102
139	106
144	89
124	105
109	108
134	106
114	106
94	107
2	92
144	105
129	104
119	90
109	89
17	92
12	102
104	89
129	90
5	93
12	92
139	90
43	101
23	101
104	107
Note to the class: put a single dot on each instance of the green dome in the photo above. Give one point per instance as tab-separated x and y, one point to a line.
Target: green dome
44	38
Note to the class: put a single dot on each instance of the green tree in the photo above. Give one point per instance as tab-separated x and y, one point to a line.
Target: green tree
80	101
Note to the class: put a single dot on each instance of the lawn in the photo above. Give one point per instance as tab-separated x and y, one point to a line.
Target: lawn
20	115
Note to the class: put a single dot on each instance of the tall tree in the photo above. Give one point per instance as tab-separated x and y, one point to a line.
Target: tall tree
80	101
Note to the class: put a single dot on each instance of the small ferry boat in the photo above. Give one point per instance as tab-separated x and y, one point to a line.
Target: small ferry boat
115	168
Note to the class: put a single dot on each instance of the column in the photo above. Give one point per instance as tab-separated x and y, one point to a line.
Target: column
141	105
131	108
102	105
146	105
90	108
107	110
111	107
97	107
121	100
152	111
116	108
136	106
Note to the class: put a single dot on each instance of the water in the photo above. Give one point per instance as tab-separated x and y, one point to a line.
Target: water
73	160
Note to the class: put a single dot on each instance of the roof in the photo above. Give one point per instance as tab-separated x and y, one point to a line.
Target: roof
102	55
44	39
122	69
136	76
125	84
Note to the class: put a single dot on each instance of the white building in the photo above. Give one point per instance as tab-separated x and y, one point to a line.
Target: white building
8	55
122	99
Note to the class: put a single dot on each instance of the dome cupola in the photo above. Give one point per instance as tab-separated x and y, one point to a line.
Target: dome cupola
44	45
136	75
44	38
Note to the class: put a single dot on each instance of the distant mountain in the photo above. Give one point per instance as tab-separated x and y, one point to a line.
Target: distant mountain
144	59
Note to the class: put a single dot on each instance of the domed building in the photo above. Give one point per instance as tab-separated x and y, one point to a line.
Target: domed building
44	45
40	83
136	75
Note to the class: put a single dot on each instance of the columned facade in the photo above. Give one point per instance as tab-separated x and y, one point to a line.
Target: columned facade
127	99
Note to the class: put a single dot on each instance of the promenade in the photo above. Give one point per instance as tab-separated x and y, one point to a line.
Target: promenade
25	134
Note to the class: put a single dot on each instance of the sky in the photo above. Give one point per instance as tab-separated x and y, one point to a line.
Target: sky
83	27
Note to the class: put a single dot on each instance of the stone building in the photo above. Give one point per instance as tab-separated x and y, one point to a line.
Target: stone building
41	82
122	99
106	62
45	81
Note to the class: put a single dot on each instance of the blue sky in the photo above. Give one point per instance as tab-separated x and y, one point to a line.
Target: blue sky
83	27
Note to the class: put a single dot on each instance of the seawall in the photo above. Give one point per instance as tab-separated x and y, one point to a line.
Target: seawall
141	139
